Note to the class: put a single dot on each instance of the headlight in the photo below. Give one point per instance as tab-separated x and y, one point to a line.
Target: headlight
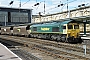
68	32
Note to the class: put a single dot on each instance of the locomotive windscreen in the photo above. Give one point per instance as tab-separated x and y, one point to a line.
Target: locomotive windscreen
76	26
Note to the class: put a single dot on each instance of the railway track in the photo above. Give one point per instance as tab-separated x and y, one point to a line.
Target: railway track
51	48
74	47
17	49
24	54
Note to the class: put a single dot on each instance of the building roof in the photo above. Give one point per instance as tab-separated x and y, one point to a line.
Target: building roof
14	9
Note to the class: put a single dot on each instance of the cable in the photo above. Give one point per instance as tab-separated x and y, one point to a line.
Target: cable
25	2
57	6
62	6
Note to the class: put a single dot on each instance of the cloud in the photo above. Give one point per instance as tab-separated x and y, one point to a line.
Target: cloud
50	5
4	3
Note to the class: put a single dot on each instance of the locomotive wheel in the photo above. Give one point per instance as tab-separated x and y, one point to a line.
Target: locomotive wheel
63	38
70	39
80	40
59	38
52	37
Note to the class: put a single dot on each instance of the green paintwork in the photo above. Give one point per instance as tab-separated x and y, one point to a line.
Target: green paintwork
47	27
48	32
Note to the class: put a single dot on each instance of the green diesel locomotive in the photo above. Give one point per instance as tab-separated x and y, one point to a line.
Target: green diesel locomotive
63	31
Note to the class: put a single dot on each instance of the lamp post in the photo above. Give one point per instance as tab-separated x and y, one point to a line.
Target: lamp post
44	6
20	4
40	12
85	21
67	6
39	4
68	11
5	20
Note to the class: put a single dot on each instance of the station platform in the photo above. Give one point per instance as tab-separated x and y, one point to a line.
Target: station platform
6	54
85	37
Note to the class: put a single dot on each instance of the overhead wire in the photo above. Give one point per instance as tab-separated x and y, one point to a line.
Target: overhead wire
62	6
25	2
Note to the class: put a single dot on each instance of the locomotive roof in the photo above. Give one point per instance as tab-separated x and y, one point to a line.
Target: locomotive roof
50	23
66	22
53	23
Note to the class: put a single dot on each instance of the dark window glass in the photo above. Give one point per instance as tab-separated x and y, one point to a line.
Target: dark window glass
76	26
70	27
64	27
55	29
28	27
19	17
0	28
34	28
11	28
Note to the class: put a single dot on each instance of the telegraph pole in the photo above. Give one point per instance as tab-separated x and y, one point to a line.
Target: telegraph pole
5	20
20	4
44	6
68	11
67	5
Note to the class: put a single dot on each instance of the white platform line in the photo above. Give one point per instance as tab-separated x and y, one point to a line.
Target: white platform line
10	51
85	38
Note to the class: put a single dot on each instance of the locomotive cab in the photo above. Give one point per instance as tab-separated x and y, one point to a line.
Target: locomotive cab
73	32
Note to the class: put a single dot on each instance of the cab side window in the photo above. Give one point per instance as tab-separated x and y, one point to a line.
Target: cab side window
64	27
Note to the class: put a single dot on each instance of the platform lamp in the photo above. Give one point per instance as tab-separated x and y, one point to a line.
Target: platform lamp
81	5
5	20
6	16
11	3
85	21
39	4
20	4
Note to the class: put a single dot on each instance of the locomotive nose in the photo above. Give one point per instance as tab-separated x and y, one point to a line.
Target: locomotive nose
74	33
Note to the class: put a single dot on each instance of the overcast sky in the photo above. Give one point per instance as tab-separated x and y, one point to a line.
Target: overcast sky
50	5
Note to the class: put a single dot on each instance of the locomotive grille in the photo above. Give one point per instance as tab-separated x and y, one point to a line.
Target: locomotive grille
55	29
34	28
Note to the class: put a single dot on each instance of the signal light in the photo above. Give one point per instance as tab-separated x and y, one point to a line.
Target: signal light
36	4
83	4
60	5
11	2
79	5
